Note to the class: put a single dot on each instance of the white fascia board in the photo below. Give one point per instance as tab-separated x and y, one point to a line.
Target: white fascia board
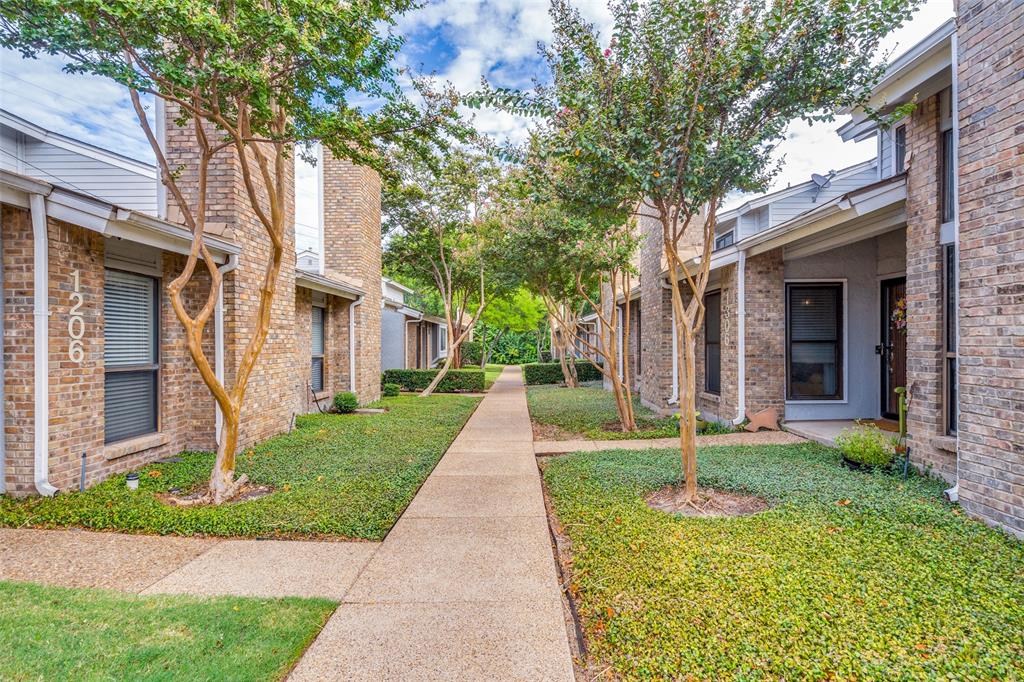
400	287
80	210
77	146
411	312
315	282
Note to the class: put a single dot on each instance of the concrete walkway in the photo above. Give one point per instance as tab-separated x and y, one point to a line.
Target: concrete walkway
560	447
464	587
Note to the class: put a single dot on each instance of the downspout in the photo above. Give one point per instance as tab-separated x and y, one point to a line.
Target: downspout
41	346
218	333
352	343
953	494
741	338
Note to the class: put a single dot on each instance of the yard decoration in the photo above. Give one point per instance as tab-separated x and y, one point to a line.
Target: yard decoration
251	79
684	104
765	419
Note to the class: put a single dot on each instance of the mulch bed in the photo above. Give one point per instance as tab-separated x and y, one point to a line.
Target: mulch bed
710	502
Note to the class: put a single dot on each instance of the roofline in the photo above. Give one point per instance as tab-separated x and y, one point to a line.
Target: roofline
326	285
400	287
84	148
765	199
108	219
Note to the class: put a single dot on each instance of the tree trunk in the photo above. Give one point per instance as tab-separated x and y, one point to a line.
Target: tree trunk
437	379
223	485
483	347
687	411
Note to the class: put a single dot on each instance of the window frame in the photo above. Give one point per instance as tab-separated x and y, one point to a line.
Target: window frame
841	340
947	178
322	357
950	357
899	148
707	364
731	235
151	368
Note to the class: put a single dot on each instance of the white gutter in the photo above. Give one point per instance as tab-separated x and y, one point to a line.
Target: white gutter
352	343
40	345
741	338
218	333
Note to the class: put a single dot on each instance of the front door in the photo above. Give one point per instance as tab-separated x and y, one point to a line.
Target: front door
893	348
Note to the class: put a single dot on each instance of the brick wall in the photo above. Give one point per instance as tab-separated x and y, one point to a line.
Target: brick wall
765	331
991	348
353	250
272	393
929	447
656	312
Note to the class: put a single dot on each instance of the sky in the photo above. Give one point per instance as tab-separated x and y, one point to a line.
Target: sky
458	40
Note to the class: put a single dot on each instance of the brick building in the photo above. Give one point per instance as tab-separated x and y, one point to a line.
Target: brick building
902	271
96	372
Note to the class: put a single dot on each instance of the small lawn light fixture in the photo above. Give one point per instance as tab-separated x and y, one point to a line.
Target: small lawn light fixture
132	481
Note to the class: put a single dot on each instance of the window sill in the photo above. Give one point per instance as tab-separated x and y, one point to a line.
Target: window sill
946	443
134	445
710	397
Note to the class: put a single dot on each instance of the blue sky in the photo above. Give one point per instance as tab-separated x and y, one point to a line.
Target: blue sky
460	40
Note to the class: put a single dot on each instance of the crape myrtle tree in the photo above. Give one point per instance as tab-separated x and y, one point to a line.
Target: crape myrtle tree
248	78
578	262
443	230
684	103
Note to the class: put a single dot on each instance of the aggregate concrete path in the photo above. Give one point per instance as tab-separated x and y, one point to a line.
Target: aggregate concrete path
464	586
560	447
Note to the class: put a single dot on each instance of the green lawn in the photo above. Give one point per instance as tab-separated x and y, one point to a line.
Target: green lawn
337	475
587	412
491	374
54	633
848	576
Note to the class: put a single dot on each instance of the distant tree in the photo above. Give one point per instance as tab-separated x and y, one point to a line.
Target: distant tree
518	311
686	103
443	231
254	79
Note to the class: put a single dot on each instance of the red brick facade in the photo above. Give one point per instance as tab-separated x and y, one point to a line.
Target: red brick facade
991	346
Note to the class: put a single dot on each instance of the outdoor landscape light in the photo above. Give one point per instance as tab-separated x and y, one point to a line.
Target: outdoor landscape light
132	481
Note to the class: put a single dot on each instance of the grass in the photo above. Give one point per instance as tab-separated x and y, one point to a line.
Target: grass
491	374
849	576
55	633
335	475
588	410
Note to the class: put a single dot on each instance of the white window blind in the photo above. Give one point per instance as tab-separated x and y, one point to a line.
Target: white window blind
815	341
317	368
130	354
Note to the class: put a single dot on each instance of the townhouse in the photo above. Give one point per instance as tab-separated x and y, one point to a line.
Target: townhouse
96	377
410	338
902	271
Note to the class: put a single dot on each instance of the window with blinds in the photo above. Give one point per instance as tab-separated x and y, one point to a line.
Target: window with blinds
317	367
130	355
814	341
713	343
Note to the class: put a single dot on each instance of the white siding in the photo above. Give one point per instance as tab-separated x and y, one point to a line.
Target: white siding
885	153
105	181
789	207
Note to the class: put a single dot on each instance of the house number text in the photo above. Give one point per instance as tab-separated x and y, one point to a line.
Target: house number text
76	321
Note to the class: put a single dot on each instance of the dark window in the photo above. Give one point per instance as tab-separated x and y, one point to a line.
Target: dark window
814	323
900	145
950	322
130	355
948	177
713	343
317	368
724	240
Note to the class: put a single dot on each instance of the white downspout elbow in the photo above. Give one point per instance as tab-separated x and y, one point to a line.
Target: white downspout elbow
218	333
741	338
41	345
352	343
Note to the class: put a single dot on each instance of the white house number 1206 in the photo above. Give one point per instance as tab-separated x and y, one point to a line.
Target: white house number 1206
76	321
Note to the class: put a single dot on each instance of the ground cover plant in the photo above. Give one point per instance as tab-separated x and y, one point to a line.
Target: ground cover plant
337	475
590	412
849	575
51	633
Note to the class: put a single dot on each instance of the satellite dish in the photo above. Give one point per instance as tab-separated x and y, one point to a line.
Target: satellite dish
821	182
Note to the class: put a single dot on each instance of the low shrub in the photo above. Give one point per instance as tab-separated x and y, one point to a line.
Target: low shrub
537	373
391	390
455	381
345	402
866	445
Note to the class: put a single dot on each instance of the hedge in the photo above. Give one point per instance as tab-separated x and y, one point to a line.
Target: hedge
551	372
457	380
